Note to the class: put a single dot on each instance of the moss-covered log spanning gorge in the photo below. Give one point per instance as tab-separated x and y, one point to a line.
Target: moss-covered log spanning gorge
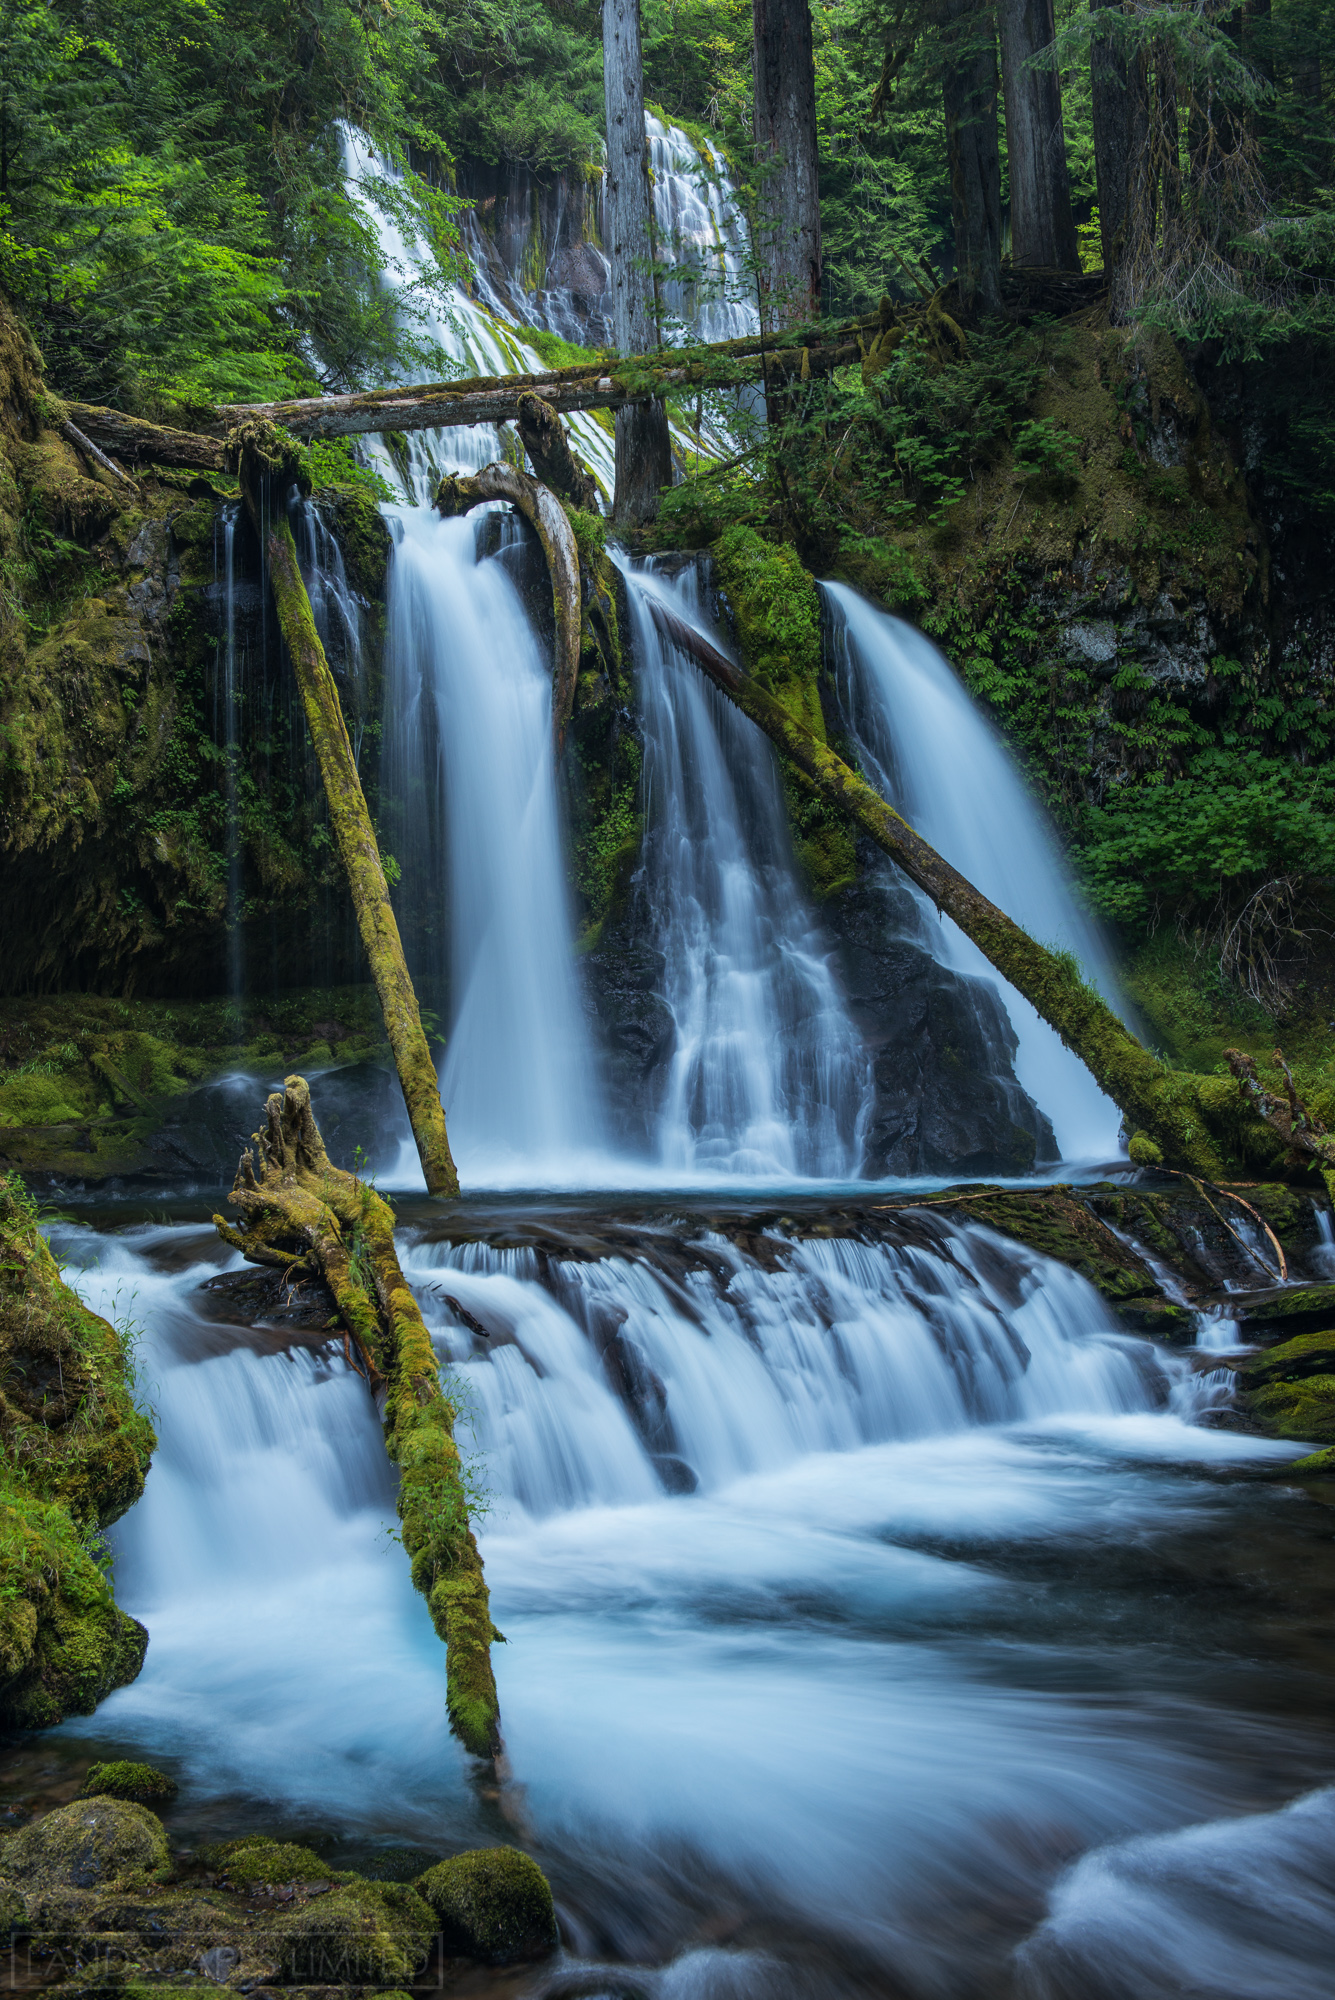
302	1214
76	1449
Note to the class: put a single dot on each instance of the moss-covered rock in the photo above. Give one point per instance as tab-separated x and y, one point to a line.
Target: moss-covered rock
493	1904
91	1844
360	1934
137	1782
76	1451
256	1859
1290	1390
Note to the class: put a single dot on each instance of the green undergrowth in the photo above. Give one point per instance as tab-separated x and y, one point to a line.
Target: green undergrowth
76	1447
85	1079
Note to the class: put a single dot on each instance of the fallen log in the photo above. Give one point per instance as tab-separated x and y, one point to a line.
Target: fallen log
484	399
543	437
1191	1121
304	1214
546	515
262	457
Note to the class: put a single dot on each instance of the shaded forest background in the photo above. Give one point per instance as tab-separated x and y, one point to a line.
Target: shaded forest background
175	230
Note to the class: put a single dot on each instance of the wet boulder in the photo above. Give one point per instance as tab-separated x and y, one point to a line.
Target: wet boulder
88	1845
358	1934
258	1861
1290	1390
493	1904
137	1782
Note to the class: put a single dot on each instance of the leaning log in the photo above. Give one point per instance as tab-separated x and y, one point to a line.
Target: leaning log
543	437
1190	1119
305	1215
545	514
348	816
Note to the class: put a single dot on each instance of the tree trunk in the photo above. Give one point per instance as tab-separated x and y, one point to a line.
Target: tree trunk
543	437
354	833
1192	1120
303	1213
643	447
1119	90
1042	227
973	153
787	234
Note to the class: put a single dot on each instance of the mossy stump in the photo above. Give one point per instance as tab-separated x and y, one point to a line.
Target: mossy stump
309	1218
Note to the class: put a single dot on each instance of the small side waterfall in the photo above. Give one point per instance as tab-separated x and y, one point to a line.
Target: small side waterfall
769	1075
227	733
469	702
702	235
925	744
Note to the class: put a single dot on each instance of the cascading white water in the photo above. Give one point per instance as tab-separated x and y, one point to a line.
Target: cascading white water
472	335
226	732
809	1686
768	1076
927	747
519	1081
701	236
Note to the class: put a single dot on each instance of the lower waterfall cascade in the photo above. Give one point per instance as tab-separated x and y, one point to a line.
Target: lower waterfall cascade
831	1571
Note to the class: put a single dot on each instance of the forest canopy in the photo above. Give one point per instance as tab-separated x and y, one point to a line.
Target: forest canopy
175	224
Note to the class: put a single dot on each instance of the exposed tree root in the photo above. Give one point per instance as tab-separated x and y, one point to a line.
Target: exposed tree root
1301	1130
300	1210
548	517
262	455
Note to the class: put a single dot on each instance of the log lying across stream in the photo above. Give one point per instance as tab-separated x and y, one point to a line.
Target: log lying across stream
485	399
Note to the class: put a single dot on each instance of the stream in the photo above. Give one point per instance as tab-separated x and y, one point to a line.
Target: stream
879	1619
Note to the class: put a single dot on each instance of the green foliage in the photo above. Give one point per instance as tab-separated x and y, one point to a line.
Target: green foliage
556	353
1231	822
1044	448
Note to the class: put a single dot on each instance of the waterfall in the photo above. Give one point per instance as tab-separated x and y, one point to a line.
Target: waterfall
227	733
924	743
475	337
468	697
831	1567
701	237
768	1075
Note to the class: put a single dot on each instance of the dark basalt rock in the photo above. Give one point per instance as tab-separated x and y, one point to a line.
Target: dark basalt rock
622	983
942	1048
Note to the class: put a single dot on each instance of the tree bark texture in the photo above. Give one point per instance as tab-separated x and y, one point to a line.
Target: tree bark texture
302	1213
545	514
973	151
1119	88
354	834
1042	227
643	449
543	436
787	234
1196	1121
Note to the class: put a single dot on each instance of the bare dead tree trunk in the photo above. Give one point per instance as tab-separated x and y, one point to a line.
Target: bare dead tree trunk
788	224
1042	227
643	449
1120	94
973	152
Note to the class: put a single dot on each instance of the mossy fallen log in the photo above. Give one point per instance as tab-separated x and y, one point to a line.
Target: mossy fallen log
548	518
351	822
306	1215
1193	1123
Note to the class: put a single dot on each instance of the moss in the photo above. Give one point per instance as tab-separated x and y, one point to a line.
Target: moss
1290	1390
1316	1465
493	1904
361	1933
776	607
137	1782
76	1451
362	535
259	1859
93	1843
